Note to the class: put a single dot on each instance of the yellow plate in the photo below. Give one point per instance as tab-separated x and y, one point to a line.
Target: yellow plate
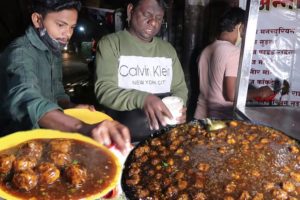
20	137
87	116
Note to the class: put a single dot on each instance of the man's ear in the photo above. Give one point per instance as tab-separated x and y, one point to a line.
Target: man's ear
36	20
238	26
129	12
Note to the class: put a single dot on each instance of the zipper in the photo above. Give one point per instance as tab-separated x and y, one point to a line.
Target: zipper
51	73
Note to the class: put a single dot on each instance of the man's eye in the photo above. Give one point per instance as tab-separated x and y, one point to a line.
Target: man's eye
159	19
147	15
60	25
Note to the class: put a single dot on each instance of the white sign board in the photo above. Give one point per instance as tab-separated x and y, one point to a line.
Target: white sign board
276	60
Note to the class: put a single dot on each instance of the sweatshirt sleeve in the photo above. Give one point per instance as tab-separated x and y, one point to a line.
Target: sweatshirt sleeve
178	87
106	86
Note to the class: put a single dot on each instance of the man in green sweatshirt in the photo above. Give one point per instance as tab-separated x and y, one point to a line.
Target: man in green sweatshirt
135	69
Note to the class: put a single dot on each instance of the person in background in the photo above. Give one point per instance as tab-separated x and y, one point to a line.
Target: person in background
31	90
218	69
135	69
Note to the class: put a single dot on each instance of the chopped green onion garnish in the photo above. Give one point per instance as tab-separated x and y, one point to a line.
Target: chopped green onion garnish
75	162
165	164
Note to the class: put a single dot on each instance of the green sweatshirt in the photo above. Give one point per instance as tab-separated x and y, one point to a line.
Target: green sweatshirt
129	69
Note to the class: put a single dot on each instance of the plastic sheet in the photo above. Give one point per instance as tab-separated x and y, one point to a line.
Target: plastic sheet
276	47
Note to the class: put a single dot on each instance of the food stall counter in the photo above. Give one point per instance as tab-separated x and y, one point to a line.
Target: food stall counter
285	119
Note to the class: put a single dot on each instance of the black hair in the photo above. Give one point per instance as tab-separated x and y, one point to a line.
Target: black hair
162	3
43	7
230	19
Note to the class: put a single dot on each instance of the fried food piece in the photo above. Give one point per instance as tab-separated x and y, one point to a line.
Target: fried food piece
24	163
32	149
171	192
143	193
60	159
269	186
230	188
258	196
228	198
155	186
25	180
288	186
280	194
245	196
6	162
141	151
48	173
295	176
156	142
183	197
200	196
203	167
182	184
76	174
134	180
61	145
155	161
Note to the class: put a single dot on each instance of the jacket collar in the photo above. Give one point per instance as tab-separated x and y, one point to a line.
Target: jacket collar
35	40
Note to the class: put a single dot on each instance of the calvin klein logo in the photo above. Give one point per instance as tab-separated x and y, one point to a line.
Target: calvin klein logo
144	71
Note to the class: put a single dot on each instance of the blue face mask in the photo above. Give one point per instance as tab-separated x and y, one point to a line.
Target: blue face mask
55	46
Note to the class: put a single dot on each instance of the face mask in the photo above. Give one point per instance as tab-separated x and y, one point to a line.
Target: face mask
55	46
239	38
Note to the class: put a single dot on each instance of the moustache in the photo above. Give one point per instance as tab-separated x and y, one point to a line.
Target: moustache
63	41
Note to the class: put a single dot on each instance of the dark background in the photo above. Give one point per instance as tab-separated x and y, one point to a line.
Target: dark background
13	20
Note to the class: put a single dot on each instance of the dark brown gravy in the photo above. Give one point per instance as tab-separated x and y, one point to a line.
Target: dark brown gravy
100	167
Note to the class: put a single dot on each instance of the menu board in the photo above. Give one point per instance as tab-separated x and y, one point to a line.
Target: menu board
275	62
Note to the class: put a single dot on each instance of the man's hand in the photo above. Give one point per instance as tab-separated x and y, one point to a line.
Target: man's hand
182	118
106	132
264	92
90	107
66	103
260	93
112	132
155	111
